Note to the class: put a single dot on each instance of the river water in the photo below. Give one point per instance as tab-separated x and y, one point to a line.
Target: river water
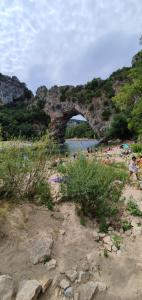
81	144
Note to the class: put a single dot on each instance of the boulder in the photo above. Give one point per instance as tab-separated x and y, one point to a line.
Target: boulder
87	291
41	248
29	290
6	287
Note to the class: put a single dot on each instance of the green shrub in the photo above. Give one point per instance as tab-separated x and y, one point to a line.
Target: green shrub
92	186
119	127
137	148
126	225
106	114
117	240
133	209
23	174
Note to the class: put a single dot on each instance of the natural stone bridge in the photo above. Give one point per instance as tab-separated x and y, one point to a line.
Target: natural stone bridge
61	108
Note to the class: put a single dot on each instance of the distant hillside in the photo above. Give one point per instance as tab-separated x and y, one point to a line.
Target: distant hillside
119	99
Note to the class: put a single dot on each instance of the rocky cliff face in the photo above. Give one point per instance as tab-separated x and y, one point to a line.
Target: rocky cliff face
11	89
98	112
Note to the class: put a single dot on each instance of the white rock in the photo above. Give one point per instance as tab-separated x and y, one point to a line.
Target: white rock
64	284
29	290
51	264
72	275
102	235
6	287
114	248
45	283
41	248
107	240
87	291
69	292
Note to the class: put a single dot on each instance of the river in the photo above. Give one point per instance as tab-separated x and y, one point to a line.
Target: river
81	144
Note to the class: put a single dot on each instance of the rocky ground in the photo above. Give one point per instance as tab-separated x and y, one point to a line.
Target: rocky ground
50	255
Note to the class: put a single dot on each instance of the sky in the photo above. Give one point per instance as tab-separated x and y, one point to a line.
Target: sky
58	42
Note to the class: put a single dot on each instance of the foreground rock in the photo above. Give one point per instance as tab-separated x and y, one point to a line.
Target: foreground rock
29	290
45	283
41	249
87	291
6	287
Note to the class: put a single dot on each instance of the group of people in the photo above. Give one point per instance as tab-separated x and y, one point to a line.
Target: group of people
135	165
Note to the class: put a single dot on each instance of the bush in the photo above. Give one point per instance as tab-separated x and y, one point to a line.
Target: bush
119	127
137	148
93	187
126	225
23	175
106	114
133	209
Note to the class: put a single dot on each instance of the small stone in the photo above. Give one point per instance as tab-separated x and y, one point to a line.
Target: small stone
69	292
64	284
119	252
45	283
6	287
51	264
72	275
29	290
83	276
87	291
114	248
102	235
107	240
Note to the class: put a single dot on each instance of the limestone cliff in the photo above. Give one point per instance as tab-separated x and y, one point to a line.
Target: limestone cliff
11	89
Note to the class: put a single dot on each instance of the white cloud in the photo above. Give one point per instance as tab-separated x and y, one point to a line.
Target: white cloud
42	41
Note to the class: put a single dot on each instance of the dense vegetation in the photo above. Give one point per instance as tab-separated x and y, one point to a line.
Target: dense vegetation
23	121
81	130
23	171
92	186
84	94
128	102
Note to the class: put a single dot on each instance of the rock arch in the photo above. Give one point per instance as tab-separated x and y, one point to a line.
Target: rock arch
61	108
